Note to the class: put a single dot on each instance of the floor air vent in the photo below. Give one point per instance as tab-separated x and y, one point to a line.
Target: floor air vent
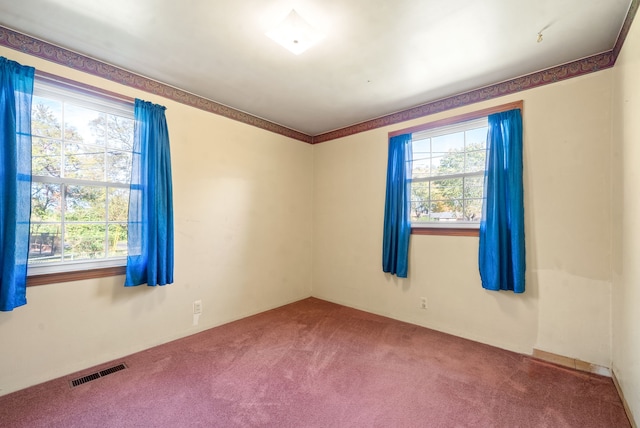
96	375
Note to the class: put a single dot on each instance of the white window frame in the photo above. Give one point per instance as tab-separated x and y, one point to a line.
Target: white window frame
96	101
440	131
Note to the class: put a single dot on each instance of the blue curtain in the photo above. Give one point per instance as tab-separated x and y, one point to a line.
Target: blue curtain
16	91
502	250
150	234
397	209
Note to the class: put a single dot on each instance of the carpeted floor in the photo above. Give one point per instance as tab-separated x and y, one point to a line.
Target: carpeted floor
317	364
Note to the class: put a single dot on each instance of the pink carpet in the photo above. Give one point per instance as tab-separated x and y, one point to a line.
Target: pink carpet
317	364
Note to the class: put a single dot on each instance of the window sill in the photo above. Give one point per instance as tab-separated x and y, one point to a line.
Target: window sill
52	278
445	231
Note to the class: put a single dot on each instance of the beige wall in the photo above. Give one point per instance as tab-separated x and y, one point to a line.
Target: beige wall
243	216
566	308
626	220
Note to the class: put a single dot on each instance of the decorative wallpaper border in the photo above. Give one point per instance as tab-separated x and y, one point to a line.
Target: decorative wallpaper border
44	50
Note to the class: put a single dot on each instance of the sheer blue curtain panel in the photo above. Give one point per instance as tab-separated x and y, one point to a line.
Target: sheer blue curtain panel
150	225
502	242
16	92
397	225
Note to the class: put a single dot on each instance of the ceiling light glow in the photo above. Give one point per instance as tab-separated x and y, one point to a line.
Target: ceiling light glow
295	34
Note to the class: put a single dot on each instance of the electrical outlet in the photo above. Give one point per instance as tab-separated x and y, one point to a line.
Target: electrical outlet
423	303
197	307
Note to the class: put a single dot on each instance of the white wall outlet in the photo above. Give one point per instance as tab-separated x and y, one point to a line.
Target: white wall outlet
423	303
197	307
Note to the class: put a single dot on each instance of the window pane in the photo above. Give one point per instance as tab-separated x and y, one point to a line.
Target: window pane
446	210
436	161
46	157
117	240
448	142
119	132
421	167
448	153
118	204
475	160
419	201
421	158
474	186
451	162
44	243
422	146
83	162
46	118
447	195
473	210
85	241
118	166
450	188
45	202
85	203
442	210
83	125
477	137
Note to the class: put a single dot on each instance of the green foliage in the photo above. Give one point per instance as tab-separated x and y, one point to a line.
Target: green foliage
460	197
85	240
44	122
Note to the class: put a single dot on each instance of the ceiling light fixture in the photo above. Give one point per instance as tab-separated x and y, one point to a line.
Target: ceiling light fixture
295	34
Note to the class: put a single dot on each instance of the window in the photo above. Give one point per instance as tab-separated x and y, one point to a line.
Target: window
436	178
448	175
81	169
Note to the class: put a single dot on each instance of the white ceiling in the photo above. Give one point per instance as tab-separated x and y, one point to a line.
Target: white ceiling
378	57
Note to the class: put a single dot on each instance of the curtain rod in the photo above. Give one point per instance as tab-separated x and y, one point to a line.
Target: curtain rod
93	90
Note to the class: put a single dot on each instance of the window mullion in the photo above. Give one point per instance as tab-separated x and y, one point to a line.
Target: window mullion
106	220
464	199
464	169
77	182
447	177
63	210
